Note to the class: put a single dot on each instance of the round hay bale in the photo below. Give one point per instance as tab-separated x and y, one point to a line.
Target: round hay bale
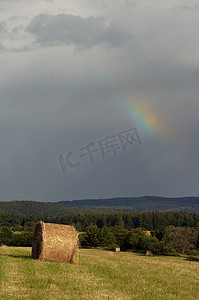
54	242
117	249
148	232
149	253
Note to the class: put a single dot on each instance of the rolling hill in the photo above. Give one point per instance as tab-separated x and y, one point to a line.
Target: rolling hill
146	203
90	206
41	208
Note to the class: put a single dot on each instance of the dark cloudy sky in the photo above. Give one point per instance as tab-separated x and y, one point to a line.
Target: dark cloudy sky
117	78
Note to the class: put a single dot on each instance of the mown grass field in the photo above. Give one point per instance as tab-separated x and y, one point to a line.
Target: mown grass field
97	275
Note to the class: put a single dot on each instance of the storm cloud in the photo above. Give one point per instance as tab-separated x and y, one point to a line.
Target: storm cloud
80	73
68	29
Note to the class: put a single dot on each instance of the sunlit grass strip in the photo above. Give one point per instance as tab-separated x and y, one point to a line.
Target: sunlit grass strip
99	275
2	268
142	277
12	284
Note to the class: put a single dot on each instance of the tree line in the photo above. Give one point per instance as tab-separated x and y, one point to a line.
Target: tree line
169	231
168	241
146	220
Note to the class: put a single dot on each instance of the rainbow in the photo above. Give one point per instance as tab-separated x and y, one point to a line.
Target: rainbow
153	124
144	117
149	123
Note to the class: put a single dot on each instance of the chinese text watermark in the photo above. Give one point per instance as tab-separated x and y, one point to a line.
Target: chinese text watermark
104	146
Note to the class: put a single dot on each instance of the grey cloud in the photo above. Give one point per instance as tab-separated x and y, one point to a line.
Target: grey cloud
70	29
191	7
2	31
130	3
2	28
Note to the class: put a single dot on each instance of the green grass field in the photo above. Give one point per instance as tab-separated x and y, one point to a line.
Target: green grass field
99	275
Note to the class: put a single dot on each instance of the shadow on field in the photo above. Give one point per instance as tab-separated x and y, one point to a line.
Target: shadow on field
20	256
16	256
193	258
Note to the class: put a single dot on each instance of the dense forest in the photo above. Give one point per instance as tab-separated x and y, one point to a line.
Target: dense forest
46	209
91	206
146	220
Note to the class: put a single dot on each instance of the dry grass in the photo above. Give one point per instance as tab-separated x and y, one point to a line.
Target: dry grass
98	275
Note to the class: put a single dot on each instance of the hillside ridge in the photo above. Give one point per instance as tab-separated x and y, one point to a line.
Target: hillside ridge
89	206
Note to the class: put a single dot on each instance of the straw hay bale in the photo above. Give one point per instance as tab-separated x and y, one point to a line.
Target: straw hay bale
148	232
149	253
117	249
54	242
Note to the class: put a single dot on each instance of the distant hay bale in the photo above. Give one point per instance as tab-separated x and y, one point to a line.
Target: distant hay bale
54	242
149	253
148	232
117	249
4	247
